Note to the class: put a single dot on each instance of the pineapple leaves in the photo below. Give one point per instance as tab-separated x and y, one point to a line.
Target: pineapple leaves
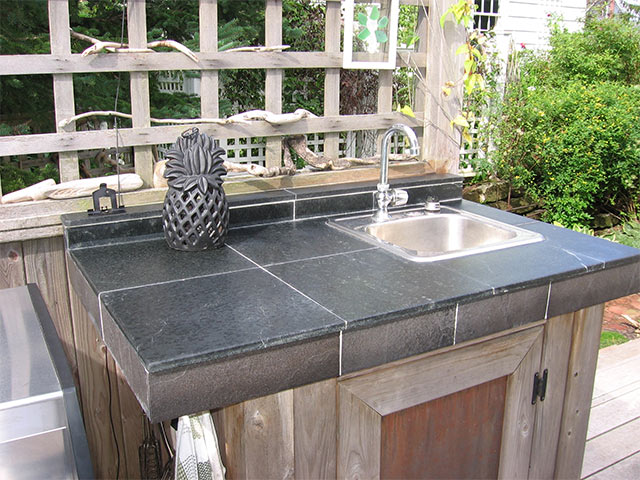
203	184
195	161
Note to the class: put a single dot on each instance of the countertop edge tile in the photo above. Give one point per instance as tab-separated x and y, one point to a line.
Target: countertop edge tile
570	295
379	344
218	384
479	318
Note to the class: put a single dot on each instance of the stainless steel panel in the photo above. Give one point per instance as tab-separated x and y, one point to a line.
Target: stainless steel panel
41	431
26	366
38	457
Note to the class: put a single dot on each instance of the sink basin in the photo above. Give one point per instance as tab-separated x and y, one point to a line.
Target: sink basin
426	237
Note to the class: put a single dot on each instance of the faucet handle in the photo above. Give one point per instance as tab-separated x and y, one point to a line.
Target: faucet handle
432	204
400	197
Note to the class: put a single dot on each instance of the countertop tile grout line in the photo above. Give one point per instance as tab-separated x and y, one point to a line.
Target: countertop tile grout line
289	285
179	280
546	308
329	255
455	324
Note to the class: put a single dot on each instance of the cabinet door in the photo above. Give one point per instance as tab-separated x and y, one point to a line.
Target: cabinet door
462	413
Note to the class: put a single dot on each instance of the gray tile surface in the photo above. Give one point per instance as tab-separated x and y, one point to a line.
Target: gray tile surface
127	265
193	331
214	317
373	285
279	243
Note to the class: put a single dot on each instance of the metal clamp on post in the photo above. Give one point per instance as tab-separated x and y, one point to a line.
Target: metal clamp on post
104	192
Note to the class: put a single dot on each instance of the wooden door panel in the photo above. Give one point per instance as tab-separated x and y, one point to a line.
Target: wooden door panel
462	413
417	442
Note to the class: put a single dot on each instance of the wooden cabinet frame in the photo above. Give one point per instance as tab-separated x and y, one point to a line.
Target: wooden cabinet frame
541	440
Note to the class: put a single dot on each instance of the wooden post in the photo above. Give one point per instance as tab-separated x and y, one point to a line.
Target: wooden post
209	106
44	265
587	325
137	30
63	84
273	83
442	141
555	359
422	29
332	77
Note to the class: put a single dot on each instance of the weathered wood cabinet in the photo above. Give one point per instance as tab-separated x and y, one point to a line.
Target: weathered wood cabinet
461	412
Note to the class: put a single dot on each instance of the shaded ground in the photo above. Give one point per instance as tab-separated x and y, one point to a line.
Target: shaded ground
623	316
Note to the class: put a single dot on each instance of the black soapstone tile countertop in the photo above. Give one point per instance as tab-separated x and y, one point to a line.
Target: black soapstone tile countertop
292	301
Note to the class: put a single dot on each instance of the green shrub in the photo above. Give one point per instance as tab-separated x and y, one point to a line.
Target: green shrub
13	178
569	130
628	235
576	148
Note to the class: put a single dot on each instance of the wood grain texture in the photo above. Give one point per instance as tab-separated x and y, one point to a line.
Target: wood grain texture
418	442
555	358
38	64
63	98
127	137
315	430
132	417
208	27
385	98
11	265
273	81
45	265
99	397
519	415
421	380
268	436
140	109
332	76
359	437
442	142
587	325
420	94
229	423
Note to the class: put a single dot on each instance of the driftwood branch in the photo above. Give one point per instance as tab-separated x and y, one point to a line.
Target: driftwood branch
117	47
246	117
298	144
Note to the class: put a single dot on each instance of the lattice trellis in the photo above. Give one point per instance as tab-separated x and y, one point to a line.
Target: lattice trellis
434	55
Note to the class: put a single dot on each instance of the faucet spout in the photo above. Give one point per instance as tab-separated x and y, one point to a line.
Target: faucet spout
384	195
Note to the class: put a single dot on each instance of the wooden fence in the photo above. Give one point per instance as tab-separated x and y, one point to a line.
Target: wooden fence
31	248
62	64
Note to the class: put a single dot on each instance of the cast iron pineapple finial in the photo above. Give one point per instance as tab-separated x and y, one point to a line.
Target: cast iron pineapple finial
195	215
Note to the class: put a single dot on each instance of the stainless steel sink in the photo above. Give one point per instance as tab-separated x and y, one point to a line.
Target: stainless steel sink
426	237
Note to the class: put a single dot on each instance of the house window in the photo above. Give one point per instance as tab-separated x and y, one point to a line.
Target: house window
486	14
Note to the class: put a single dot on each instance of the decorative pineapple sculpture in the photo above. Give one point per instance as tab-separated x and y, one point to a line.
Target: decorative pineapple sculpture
195	215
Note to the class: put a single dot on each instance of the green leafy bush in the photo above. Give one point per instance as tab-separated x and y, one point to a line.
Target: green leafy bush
13	178
569	131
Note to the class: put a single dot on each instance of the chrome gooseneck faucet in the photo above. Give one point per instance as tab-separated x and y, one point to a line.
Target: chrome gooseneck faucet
386	196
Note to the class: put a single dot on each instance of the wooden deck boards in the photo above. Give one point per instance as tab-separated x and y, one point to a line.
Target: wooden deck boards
613	438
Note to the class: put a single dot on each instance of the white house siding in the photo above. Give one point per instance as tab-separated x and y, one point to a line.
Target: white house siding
525	21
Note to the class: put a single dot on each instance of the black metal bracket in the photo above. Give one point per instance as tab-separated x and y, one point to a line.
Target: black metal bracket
104	192
539	386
